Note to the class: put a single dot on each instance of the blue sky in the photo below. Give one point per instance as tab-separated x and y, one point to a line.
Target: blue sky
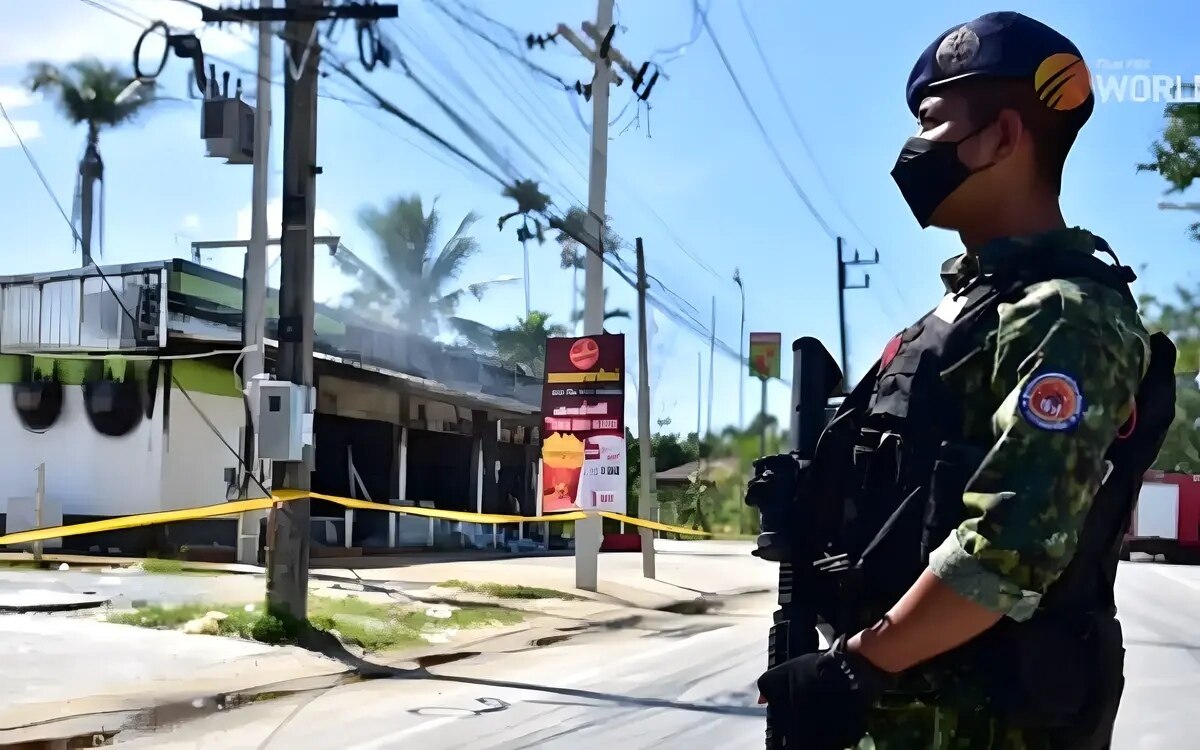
695	173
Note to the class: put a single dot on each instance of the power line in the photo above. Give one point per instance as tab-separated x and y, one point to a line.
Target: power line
38	171
529	63
792	119
762	128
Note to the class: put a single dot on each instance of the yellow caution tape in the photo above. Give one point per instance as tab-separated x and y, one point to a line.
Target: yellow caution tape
449	515
145	519
654	525
283	496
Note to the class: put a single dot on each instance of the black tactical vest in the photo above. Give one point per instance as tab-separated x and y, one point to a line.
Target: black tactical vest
891	467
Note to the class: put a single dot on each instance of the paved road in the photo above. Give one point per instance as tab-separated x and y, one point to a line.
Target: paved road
688	689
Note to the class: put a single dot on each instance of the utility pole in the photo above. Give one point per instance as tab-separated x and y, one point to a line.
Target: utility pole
712	350
254	287
647	496
287	561
699	395
288	527
737	279
842	264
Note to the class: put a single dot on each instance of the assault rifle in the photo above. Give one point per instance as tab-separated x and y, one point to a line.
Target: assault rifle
815	377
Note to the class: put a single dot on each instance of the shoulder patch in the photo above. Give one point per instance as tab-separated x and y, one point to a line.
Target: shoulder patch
1052	401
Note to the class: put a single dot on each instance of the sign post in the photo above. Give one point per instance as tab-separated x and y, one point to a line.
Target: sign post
583	437
765	357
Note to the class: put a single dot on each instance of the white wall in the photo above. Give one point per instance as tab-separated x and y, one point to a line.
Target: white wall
194	460
87	472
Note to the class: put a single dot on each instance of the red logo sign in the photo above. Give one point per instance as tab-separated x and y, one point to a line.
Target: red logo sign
584	354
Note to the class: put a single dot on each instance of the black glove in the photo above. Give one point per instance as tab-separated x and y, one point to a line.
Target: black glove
823	698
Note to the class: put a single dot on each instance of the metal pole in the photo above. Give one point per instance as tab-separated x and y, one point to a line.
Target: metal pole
712	348
841	279
737	279
254	288
593	263
699	394
646	497
287	570
39	500
525	252
762	441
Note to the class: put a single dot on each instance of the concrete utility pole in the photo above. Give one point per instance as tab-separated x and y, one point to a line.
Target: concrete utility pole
646	499
287	561
589	533
842	264
254	287
601	57
593	263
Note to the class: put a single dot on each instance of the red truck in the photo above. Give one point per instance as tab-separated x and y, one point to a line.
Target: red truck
1166	520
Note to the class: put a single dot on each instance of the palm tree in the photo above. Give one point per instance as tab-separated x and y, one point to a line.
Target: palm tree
91	93
522	344
413	287
573	253
610	313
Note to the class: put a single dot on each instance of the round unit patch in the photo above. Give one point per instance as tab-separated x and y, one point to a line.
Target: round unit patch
1052	401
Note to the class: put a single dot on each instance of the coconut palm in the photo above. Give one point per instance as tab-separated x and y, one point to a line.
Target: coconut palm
90	93
572	253
610	313
415	286
522	344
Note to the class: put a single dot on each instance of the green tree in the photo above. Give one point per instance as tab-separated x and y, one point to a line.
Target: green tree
522	344
416	287
1176	154
1181	321
89	92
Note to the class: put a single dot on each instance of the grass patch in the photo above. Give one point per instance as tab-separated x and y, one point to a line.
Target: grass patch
374	627
505	591
162	565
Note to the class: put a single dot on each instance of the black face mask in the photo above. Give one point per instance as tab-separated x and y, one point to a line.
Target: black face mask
927	172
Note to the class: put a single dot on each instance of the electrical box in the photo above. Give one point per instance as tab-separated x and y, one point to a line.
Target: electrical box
284	420
227	127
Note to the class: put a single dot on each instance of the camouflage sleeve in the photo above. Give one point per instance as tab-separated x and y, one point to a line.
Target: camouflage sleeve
1066	368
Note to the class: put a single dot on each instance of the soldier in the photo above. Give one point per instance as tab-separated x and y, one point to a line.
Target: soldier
959	476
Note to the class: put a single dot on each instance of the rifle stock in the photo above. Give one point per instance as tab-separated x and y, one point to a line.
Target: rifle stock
815	377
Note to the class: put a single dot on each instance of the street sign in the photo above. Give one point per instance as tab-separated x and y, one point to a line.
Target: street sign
583	424
765	354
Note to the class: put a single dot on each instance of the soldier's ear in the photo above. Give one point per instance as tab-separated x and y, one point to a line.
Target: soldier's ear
1007	134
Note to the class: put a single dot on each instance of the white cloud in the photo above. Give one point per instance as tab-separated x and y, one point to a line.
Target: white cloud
63	30
191	221
29	130
14	97
325	223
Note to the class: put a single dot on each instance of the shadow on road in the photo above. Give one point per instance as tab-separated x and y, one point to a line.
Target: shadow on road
332	648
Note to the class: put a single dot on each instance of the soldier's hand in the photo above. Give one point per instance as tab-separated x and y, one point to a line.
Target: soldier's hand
824	697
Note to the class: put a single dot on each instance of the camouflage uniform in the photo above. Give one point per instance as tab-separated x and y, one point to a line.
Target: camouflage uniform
1026	504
